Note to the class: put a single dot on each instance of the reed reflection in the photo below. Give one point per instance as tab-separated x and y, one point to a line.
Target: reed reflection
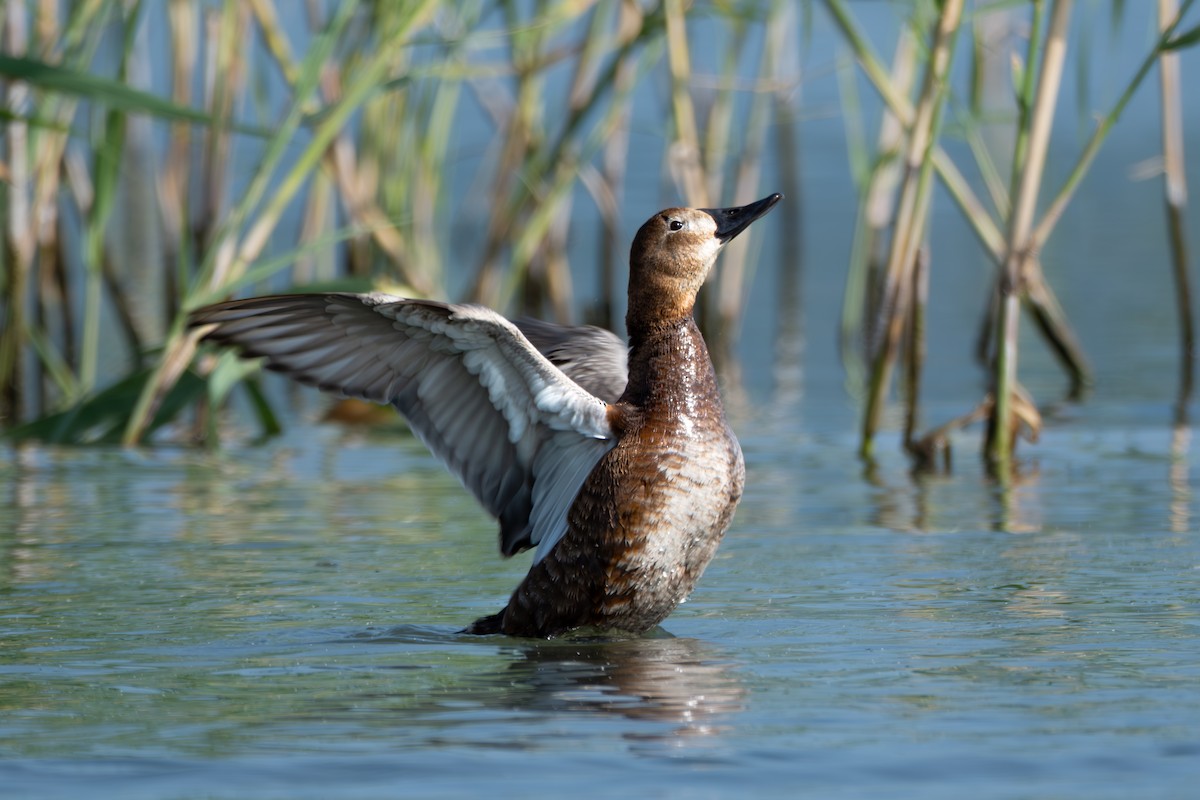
1180	512
929	501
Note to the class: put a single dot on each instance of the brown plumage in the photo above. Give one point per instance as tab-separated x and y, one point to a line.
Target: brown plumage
626	501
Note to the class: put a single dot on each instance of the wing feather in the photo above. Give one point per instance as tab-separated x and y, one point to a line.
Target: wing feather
518	432
594	358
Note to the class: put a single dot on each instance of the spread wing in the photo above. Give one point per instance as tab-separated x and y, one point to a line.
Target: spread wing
518	433
593	357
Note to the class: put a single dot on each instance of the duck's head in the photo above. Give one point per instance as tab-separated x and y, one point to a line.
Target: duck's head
673	253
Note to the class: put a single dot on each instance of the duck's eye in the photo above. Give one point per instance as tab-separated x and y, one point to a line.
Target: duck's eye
675	225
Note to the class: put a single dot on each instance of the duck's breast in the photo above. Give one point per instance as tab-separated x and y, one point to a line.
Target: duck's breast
670	486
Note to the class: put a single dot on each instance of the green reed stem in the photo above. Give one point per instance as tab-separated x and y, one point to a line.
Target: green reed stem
1025	94
982	223
876	210
226	260
1175	196
1041	121
18	246
911	217
685	150
1058	205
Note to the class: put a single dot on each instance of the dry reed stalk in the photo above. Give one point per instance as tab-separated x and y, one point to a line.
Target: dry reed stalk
82	192
549	168
1025	95
559	285
366	214
174	176
788	361
1058	205
229	255
1175	194
987	36
1051	321
911	218
73	368
19	241
684	154
276	41
356	180
1053	324
1036	293
47	25
898	103
223	77
49	310
524	203
109	161
525	133
52	302
132	265
1046	310
879	201
567	164
541	261
785	99
877	209
515	118
433	151
629	26
914	361
324	134
41	167
999	445
602	185
318	210
715	145
733	280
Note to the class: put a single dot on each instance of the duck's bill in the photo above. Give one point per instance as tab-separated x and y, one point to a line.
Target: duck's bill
732	221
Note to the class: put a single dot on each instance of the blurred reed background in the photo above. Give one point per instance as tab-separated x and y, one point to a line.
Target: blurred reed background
160	156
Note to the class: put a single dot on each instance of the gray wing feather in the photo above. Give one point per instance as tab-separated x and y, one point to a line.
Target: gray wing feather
593	357
518	433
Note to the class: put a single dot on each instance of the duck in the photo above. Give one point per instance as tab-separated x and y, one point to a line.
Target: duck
614	463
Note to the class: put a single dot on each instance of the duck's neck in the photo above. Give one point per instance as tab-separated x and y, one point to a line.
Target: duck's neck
669	362
647	321
659	300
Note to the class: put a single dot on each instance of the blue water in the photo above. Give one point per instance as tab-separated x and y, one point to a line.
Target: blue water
281	622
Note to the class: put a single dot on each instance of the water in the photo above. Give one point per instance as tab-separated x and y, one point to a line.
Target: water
281	621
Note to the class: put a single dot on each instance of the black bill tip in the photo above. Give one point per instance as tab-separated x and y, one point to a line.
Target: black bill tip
732	221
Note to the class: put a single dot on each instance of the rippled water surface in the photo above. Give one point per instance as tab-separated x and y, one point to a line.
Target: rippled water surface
281	621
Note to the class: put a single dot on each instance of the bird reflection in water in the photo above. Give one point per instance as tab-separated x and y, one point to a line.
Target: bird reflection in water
681	681
656	678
